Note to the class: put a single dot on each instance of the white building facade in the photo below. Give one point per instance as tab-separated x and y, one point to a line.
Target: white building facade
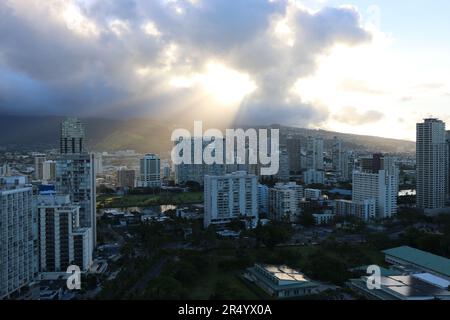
231	196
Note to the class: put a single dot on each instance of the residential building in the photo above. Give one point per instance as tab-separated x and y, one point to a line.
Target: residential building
49	170
365	210
39	166
294	149
312	176
380	187
263	198
126	178
231	196
72	138
323	218
284	201
58	231
313	194
314	154
431	164
336	154
18	242
150	171
75	174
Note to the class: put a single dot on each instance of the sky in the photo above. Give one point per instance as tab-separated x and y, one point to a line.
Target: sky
356	66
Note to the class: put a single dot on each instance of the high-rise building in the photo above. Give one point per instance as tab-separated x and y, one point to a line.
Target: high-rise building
231	196
150	171
448	162
72	139
196	172
336	154
263	198
126	178
18	239
312	176
49	170
432	164
347	166
58	232
98	163
39	166
283	170
380	187
294	150
75	174
284	201
365	210
314	153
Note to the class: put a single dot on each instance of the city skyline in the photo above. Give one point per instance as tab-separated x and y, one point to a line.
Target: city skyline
224	62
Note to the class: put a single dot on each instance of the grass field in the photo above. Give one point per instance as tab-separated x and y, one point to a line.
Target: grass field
107	201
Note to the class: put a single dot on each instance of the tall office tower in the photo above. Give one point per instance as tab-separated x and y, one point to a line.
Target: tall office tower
75	174
49	170
336	154
314	153
18	241
126	178
72	139
380	187
431	162
231	196
59	235
150	171
294	150
284	201
39	166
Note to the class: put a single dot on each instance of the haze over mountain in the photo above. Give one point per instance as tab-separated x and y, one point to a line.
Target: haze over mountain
150	135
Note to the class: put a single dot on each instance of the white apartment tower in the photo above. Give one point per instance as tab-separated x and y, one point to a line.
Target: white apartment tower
17	236
380	187
432	164
150	171
284	201
231	196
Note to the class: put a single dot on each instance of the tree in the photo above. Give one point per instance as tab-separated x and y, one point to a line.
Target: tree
307	219
273	234
165	288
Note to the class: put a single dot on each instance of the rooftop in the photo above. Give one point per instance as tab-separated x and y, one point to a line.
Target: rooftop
422	258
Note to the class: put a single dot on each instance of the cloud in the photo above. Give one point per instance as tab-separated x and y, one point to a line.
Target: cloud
351	116
119	58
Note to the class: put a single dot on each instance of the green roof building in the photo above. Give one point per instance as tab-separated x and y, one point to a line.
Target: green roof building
408	257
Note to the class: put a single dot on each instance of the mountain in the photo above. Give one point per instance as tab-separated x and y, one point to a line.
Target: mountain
150	135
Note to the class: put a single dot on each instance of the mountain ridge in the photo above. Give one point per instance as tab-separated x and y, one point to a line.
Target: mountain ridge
152	135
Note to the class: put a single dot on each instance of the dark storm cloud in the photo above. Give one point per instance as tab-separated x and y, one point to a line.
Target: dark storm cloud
102	62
